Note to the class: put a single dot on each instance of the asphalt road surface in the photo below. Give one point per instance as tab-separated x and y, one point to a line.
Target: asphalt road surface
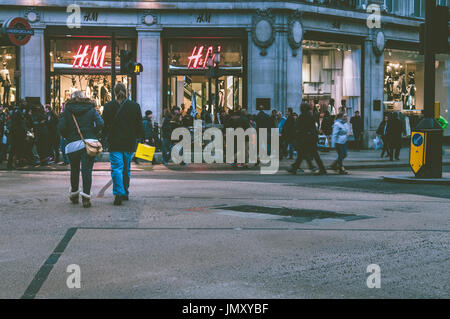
201	233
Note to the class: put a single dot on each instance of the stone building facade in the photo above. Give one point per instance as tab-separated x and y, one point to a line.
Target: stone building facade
274	54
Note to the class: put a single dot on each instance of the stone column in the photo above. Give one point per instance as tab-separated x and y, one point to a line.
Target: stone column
149	82
280	80
373	90
32	66
294	79
262	74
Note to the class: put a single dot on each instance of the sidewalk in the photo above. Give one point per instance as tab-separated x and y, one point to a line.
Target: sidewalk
364	159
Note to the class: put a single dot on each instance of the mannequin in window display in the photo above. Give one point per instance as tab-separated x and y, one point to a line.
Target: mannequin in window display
6	83
73	87
411	102
95	95
396	88
389	87
404	91
105	95
331	108
90	89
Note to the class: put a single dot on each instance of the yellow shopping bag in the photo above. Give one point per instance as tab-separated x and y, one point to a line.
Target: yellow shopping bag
145	152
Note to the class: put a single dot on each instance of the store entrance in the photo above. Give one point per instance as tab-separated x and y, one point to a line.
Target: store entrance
96	87
209	96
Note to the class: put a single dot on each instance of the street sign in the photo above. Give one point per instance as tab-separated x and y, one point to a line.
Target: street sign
417	153
17	30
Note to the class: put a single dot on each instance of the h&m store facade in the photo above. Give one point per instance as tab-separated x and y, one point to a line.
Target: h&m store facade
274	58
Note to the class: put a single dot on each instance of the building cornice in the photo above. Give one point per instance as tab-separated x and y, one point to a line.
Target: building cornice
354	14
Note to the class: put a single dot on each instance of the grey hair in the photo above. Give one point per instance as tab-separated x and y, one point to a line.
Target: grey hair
77	95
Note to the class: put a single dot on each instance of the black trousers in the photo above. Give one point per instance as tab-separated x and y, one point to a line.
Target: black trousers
87	163
54	146
358	139
42	143
394	147
306	152
17	149
385	146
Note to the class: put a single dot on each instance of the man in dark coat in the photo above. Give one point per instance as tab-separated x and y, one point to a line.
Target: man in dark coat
357	127
54	137
40	127
394	132
263	120
149	131
123	126
307	137
17	137
288	133
381	131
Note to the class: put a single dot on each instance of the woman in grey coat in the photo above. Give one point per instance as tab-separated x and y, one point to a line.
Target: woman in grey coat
90	124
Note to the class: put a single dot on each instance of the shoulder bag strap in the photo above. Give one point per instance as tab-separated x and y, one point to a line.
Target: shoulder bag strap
118	110
78	128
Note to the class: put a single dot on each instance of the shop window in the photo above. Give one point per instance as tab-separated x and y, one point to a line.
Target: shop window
190	82
8	85
84	64
332	76
192	54
403	81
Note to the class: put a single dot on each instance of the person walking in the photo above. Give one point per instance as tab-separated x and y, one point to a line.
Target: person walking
326	126
339	140
149	131
394	132
288	134
16	137
166	132
307	137
40	127
54	138
79	121
123	126
381	131
357	128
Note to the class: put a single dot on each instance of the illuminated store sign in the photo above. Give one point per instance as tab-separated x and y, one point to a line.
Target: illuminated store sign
84	59
199	60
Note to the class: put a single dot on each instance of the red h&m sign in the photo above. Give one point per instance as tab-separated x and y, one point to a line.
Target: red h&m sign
197	60
85	59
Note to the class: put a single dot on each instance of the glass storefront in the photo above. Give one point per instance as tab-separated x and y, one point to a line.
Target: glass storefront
8	75
404	84
79	63
331	77
191	82
403	81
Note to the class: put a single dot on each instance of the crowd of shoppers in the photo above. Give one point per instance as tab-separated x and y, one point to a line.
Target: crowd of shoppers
29	135
33	134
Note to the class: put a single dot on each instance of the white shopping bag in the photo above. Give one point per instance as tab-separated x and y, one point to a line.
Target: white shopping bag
378	143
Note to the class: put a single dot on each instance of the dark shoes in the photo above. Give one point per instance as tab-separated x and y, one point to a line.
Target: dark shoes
74	197
86	200
321	172
118	200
